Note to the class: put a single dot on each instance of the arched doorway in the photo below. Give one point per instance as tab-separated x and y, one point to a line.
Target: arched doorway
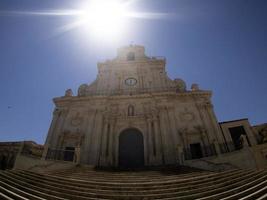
131	149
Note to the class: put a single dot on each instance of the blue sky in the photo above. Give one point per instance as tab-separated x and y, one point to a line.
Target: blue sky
221	45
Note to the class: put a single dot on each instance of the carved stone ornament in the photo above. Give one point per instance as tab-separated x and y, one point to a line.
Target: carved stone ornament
77	120
82	90
68	93
195	87
180	85
187	115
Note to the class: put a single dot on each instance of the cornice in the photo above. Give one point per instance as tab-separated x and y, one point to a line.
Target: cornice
123	63
67	100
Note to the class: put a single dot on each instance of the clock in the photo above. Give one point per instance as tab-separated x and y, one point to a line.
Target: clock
130	81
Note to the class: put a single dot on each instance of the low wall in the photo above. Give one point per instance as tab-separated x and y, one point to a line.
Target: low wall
242	159
260	155
39	165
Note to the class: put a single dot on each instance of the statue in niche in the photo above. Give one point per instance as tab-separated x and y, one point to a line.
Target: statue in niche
180	85
77	154
194	87
243	141
68	93
82	90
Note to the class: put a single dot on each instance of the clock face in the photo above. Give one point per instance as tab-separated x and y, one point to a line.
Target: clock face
130	81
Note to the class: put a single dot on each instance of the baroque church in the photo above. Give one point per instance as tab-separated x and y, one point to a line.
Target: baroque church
134	133
134	115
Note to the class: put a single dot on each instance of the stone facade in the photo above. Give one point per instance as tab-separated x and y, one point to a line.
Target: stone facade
134	92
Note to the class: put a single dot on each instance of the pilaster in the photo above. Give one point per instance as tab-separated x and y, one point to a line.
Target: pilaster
167	139
56	115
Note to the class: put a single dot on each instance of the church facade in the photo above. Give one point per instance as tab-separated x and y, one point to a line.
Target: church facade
134	115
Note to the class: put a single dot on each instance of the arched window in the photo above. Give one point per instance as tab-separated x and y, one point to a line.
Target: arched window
131	56
130	110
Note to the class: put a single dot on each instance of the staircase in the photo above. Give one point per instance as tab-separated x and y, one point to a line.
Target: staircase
169	184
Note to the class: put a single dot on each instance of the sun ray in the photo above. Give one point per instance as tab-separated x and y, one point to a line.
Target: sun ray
149	15
43	13
68	27
101	18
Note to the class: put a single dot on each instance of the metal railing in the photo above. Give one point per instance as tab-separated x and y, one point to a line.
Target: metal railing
58	154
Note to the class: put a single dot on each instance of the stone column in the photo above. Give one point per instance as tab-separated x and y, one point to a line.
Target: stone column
209	150
150	147
181	156
88	136
211	131
60	127
186	143
217	131
171	119
158	141
103	156
204	124
177	139
111	145
96	137
217	147
56	115
167	140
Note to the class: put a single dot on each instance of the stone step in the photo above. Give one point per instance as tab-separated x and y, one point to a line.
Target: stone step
264	197
3	196
45	193
232	188
252	192
15	193
234	184
160	182
243	187
240	192
124	176
117	180
173	188
125	179
97	174
241	181
151	186
41	193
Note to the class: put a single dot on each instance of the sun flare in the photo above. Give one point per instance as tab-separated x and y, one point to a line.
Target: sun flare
100	20
104	18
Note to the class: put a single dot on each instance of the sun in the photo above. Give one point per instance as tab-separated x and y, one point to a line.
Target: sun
104	18
100	20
